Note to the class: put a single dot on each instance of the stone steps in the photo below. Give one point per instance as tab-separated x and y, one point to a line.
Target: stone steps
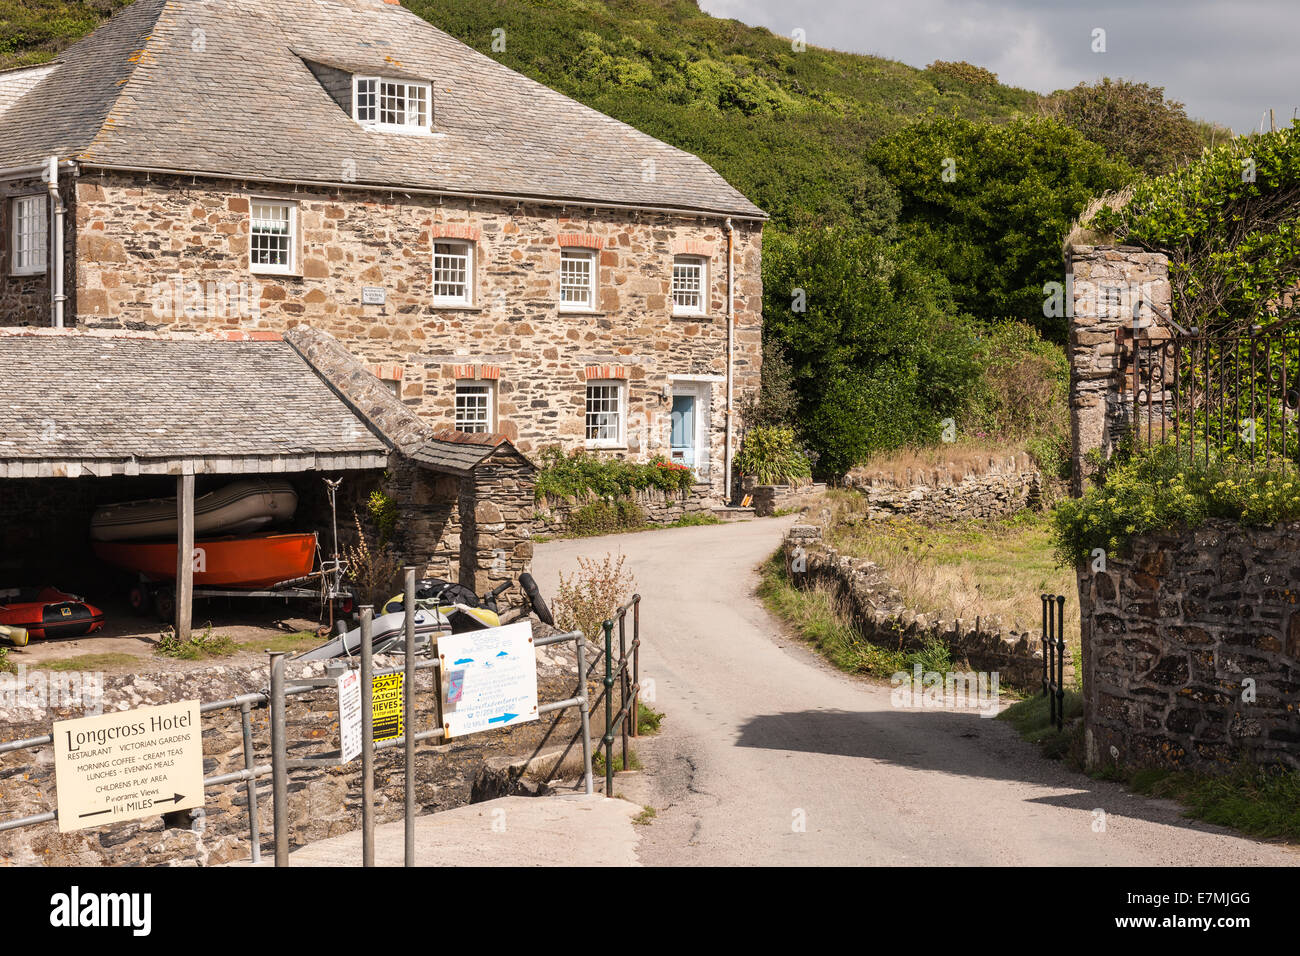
728	513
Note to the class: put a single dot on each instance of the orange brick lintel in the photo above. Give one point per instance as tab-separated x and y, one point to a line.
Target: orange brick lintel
581	240
594	373
451	230
388	373
488	373
693	247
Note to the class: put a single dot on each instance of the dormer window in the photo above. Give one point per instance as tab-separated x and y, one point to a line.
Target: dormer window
391	106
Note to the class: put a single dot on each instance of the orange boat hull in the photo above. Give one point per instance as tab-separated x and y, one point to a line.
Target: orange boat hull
250	561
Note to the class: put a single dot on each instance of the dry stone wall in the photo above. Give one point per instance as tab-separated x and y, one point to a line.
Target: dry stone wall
322	802
551	515
877	611
1007	486
1191	650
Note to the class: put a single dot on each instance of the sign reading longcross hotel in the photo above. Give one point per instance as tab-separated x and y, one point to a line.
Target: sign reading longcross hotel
128	764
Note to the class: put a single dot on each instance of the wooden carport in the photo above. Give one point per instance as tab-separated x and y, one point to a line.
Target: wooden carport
92	404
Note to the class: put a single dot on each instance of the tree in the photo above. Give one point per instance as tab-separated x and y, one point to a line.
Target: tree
877	357
1133	120
988	206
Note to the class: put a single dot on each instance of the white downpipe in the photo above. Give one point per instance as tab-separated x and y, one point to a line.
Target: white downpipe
55	258
731	316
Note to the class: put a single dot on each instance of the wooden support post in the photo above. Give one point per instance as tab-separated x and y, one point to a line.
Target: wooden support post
184	554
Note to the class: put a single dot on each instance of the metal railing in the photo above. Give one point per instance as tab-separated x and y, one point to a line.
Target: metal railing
1054	656
1209	394
281	766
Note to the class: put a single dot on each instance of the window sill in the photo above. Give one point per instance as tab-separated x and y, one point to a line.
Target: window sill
27	273
274	275
605	446
690	315
568	310
456	307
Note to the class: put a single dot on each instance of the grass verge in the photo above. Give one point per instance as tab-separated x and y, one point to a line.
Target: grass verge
289	643
1256	802
598	762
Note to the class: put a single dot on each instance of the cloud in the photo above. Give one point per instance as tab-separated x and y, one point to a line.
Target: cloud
1227	62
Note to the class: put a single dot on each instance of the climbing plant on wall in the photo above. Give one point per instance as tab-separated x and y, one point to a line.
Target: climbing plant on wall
1230	224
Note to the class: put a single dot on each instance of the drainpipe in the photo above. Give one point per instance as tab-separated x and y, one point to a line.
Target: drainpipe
731	316
55	258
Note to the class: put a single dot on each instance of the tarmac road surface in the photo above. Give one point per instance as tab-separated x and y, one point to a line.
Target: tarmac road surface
770	756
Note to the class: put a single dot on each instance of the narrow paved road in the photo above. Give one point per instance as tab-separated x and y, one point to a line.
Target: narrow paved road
761	735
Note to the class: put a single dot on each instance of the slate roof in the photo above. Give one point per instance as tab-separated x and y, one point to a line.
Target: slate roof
222	406
223	87
457	452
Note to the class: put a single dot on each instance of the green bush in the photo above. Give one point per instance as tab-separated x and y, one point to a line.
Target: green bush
1155	491
581	475
966	72
771	455
606	517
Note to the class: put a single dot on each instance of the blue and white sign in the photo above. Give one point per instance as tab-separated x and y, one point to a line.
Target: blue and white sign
489	679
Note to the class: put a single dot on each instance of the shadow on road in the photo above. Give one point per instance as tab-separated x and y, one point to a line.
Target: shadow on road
953	742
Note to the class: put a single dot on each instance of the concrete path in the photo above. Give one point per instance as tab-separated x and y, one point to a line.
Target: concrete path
770	756
512	831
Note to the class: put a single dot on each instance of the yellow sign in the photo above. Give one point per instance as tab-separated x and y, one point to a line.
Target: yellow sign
128	764
387	706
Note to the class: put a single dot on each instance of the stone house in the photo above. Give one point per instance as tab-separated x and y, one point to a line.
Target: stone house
505	260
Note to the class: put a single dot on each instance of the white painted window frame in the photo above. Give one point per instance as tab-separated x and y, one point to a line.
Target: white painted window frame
620	388
375	123
589	256
273	269
40	203
469	252
703	264
489	389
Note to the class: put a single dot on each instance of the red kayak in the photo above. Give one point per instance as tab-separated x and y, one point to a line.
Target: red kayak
52	613
248	561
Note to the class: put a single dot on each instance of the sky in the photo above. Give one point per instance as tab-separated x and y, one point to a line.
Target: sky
1228	62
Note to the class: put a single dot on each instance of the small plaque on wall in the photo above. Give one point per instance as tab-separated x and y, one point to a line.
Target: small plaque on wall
373	295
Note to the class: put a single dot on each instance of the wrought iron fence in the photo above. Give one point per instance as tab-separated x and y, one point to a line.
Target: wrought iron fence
1054	656
1229	395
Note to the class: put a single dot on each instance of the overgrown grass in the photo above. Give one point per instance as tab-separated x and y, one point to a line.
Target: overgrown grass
1031	718
646	815
289	643
987	569
598	762
6	666
647	719
197	647
91	662
815	616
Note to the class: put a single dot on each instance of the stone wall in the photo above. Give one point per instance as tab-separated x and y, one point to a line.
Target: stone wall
141	245
944	494
322	802
25	299
551	515
769	499
1104	284
877	611
1191	650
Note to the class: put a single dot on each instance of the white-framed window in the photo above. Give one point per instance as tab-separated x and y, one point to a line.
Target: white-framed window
690	285
606	414
453	272
392	106
475	407
273	236
577	279
30	235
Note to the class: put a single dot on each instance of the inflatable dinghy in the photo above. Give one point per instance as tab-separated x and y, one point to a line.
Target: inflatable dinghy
48	613
235	509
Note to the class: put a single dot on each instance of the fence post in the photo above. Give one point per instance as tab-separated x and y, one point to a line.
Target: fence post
408	713
609	714
636	665
1060	661
1047	636
250	787
584	709
279	761
624	687
367	737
